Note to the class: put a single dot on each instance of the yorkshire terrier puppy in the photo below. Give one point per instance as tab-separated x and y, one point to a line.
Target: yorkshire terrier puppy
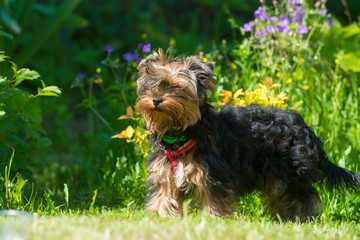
216	157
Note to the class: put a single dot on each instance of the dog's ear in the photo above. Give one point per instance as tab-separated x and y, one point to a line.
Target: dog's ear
204	72
211	67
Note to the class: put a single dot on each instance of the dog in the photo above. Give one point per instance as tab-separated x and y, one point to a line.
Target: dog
216	157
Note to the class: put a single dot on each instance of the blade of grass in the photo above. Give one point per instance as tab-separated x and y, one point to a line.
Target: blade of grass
7	175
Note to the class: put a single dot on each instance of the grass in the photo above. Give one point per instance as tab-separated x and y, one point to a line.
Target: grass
130	224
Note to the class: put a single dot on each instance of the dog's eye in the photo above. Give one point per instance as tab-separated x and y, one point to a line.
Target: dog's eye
164	84
201	76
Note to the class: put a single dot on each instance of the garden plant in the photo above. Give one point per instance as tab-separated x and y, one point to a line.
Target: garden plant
72	150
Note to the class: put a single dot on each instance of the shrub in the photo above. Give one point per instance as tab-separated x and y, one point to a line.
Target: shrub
21	119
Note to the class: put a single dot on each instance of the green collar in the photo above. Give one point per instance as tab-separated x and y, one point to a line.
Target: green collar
172	140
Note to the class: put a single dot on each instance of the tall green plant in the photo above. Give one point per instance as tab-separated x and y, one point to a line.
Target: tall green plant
21	118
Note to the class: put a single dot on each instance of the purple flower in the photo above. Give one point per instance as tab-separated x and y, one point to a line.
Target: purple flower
329	20
109	49
136	58
298	9
302	29
271	19
293	2
261	33
128	57
146	48
323	12
284	20
140	45
247	26
260	13
284	29
81	75
299	17
272	29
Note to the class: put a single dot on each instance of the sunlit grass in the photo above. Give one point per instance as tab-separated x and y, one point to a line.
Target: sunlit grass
131	224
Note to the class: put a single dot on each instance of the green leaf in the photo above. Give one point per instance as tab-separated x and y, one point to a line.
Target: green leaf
2	114
45	9
2	56
25	74
75	21
16	99
45	142
7	35
37	127
9	21
350	61
350	30
53	91
32	112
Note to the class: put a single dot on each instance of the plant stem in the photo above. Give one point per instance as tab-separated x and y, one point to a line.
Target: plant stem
102	119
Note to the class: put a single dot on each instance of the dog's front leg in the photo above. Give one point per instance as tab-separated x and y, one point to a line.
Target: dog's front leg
163	198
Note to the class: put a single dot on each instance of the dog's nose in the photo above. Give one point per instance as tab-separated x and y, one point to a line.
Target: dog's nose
157	101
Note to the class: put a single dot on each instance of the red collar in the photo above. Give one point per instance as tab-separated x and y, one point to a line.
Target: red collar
172	154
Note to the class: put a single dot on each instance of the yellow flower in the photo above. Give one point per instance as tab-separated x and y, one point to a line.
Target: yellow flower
239	92
134	64
98	81
127	133
205	60
302	60
288	81
144	35
226	96
261	96
172	42
98	70
278	74
117	60
337	61
306	87
233	65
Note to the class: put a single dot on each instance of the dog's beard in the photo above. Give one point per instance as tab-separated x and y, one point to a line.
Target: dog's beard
171	115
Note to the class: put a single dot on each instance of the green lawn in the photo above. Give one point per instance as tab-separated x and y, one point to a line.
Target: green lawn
129	224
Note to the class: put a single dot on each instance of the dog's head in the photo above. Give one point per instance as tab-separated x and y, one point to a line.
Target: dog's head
171	91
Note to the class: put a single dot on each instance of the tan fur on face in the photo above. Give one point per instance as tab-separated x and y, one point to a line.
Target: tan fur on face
173	113
176	83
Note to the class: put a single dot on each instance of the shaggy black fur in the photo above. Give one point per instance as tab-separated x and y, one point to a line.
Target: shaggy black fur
250	148
239	150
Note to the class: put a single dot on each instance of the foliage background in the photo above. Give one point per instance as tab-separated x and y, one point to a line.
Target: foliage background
82	157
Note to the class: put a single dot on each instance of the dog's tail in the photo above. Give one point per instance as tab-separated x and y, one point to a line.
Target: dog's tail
338	177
